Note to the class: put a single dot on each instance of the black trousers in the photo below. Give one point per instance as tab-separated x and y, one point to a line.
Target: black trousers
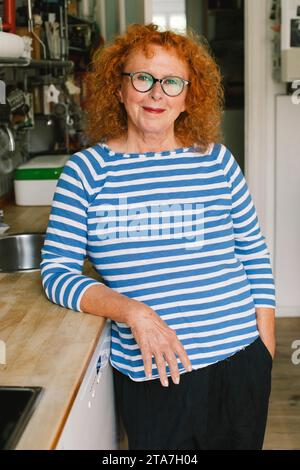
222	406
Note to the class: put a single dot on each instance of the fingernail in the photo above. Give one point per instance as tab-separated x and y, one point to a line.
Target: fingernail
190	368
166	383
176	380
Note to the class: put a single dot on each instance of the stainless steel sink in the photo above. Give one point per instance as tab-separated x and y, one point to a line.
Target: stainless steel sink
21	252
17	405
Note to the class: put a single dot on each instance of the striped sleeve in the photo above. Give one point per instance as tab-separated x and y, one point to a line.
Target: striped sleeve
250	245
64	250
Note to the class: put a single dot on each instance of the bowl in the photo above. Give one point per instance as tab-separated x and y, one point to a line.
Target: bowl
21	252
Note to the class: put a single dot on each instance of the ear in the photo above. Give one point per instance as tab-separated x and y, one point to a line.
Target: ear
184	105
120	95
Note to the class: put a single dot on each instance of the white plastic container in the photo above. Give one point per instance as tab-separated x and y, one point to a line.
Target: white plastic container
11	45
35	181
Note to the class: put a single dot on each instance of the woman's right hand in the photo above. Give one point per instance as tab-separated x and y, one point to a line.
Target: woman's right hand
156	338
153	335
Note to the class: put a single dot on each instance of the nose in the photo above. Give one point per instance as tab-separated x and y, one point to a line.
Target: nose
156	91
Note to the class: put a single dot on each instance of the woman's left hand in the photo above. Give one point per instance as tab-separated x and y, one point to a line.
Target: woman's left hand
266	327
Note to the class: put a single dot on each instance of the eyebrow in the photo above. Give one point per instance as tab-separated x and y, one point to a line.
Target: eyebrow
165	76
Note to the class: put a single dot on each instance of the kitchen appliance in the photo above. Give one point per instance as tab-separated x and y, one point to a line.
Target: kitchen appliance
35	181
17	405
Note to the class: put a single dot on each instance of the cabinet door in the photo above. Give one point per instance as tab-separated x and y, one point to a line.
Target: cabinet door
287	246
91	424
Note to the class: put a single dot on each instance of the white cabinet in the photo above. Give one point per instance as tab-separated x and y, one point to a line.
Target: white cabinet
287	234
91	424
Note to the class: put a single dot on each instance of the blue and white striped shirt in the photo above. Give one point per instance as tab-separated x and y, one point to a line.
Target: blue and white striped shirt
176	230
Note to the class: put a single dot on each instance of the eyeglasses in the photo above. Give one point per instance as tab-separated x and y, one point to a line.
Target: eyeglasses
144	81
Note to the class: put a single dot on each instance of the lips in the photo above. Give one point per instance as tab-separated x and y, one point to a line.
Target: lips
153	110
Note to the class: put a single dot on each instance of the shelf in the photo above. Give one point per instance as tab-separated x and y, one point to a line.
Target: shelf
12	61
31	63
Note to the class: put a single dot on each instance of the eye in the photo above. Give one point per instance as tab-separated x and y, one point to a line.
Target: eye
172	81
143	77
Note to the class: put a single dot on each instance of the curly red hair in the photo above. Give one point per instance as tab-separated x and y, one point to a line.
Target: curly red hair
200	124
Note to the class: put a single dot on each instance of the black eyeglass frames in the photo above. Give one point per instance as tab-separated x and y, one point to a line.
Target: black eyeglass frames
144	81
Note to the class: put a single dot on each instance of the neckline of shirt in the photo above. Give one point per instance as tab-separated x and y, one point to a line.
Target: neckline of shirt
164	153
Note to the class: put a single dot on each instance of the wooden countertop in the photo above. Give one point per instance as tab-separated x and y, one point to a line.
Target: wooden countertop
46	345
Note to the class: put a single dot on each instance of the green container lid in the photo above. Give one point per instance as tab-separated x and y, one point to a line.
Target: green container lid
46	167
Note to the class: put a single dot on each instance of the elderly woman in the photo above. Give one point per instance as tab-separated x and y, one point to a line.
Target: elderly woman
162	210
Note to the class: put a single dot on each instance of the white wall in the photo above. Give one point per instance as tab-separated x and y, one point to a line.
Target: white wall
260	93
262	144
